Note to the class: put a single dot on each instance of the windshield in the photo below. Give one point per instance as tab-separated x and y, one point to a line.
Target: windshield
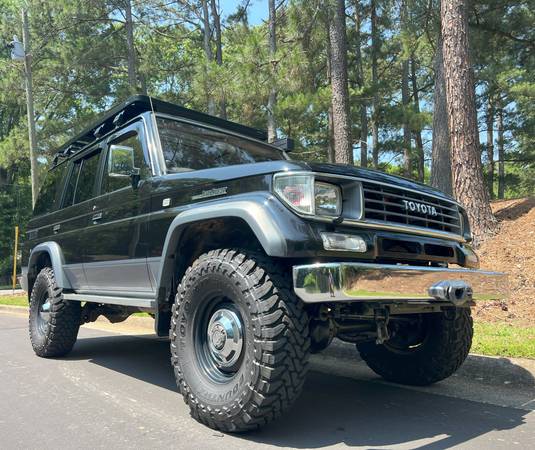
188	147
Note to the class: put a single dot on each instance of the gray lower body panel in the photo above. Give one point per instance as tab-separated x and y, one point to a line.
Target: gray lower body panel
122	301
346	281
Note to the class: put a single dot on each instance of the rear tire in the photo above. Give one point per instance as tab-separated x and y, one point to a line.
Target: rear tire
54	322
443	347
239	341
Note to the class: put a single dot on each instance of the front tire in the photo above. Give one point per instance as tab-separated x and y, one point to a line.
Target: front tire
239	341
433	354
54	322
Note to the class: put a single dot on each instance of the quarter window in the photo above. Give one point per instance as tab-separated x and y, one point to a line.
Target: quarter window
50	191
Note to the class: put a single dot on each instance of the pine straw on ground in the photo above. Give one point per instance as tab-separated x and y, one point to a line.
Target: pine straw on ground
512	251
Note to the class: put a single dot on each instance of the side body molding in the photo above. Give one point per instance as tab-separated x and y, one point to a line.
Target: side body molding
253	209
56	258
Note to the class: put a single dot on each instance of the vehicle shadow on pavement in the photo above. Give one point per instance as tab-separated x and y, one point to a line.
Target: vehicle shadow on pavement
332	409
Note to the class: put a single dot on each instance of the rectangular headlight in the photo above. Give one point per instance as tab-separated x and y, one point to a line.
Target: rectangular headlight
307	196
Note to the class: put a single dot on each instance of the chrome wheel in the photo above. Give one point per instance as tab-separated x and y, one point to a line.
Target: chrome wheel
220	341
225	338
44	313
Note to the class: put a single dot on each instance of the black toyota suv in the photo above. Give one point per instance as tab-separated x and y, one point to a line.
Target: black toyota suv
247	260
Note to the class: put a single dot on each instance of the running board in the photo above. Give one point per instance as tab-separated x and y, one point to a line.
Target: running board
123	301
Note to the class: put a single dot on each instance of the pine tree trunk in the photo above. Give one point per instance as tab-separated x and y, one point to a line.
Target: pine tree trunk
440	152
363	144
219	55
375	101
129	26
405	101
272	99
417	132
469	186
490	147
340	93
207	30
501	156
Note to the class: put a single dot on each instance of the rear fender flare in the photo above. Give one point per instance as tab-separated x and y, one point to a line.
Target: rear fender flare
56	258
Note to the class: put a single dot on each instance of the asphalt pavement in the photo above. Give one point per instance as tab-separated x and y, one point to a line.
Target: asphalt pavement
118	391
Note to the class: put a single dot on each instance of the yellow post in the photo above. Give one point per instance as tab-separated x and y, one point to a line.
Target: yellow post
15	257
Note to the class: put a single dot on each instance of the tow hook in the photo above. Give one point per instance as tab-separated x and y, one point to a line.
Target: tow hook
381	316
457	292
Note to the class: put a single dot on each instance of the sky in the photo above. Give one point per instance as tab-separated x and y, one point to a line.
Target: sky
257	9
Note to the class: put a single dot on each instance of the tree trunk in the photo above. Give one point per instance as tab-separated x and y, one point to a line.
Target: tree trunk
501	156
405	101
363	144
375	101
340	93
490	147
330	123
219	55
272	99
440	152
129	26
417	132
208	52
469	186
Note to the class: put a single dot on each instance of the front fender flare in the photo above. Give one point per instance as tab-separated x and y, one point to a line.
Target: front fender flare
257	211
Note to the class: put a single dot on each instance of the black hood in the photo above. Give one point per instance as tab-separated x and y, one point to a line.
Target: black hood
374	175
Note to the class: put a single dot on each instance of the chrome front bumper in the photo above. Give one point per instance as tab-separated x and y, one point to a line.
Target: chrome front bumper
346	281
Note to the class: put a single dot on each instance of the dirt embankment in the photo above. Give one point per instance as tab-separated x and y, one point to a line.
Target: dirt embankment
512	251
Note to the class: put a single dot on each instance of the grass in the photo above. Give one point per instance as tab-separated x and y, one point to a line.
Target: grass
503	340
14	300
491	339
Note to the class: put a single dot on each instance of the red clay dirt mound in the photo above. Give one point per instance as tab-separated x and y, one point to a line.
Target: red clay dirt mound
512	251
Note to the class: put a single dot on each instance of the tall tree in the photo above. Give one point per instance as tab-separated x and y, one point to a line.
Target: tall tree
207	31
417	131
340	92
219	54
501	155
363	144
130	46
375	100
469	187
490	145
440	151
272	99
405	99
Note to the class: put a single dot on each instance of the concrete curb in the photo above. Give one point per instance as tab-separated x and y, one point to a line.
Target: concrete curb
145	325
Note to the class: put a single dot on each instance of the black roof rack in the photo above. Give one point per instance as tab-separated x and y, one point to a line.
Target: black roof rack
137	104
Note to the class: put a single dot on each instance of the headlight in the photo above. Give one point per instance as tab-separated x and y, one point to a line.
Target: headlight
307	196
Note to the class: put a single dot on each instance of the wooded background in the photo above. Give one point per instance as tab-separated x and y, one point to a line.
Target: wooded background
360	82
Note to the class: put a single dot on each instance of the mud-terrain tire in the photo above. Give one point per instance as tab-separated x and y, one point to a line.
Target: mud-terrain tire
53	322
226	294
445	346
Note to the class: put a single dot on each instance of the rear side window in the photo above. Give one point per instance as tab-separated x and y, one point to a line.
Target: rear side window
71	184
50	191
86	178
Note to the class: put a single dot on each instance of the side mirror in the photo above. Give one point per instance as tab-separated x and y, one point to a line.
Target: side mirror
121	164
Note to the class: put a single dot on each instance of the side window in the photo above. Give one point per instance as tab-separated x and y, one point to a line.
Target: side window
71	184
86	178
50	190
125	156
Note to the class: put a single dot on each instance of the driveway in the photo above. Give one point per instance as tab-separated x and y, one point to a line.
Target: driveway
118	391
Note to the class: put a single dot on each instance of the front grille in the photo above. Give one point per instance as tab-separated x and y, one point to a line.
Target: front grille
396	205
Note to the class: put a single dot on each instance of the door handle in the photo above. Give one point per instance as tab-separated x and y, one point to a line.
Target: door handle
96	217
56	228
